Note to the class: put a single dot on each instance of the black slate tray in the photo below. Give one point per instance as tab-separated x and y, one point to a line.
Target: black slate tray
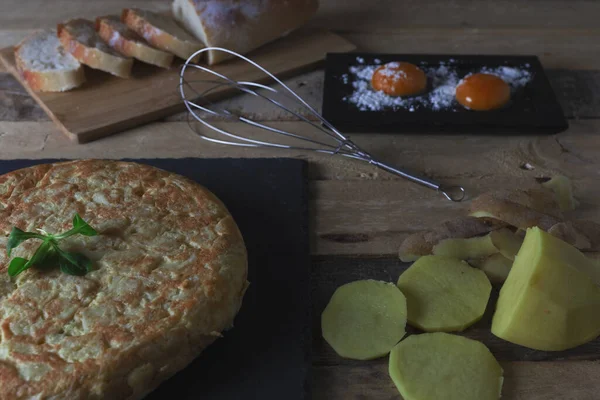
533	108
267	354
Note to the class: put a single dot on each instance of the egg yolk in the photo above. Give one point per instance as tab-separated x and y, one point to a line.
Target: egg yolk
399	79
482	92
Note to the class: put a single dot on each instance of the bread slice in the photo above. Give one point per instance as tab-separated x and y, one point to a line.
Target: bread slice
45	65
127	42
241	26
161	31
79	37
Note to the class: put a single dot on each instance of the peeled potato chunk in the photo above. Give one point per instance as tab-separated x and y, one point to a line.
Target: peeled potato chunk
466	249
364	319
496	267
507	243
551	298
435	366
444	294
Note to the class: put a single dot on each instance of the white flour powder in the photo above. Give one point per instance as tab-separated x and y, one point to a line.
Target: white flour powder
443	80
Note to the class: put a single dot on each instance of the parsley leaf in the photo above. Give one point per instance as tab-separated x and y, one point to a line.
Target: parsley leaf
18	236
49	253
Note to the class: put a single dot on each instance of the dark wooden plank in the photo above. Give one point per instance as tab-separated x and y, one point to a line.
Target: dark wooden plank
554	380
15	103
571	49
578	92
331	272
355	15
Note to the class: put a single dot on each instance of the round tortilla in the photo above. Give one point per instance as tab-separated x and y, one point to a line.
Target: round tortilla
170	274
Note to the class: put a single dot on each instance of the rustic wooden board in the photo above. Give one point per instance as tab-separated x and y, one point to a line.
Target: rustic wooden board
352	15
357	210
557	380
106	104
577	91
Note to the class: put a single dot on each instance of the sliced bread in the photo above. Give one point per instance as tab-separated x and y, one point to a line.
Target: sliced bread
79	37
45	65
127	42
161	31
241	26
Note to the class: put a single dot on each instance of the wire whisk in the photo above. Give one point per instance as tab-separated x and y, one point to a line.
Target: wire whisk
328	141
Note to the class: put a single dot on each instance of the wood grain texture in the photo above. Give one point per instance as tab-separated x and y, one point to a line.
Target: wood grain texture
106	104
578	92
560	380
356	209
394	15
355	15
571	49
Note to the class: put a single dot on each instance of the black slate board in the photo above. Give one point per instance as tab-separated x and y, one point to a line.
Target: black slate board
267	354
532	109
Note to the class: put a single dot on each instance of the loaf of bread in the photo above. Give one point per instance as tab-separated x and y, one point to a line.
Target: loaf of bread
79	37
241	25
45	65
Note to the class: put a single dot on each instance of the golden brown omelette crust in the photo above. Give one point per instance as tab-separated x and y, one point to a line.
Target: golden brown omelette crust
170	276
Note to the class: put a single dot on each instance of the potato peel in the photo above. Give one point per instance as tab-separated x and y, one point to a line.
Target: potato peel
421	243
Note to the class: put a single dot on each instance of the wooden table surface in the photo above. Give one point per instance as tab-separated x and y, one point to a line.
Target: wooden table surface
359	215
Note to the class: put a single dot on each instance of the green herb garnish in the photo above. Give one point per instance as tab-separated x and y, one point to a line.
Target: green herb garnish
49	253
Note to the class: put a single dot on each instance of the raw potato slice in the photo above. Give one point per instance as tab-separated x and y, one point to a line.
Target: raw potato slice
496	267
551	298
507	243
364	319
563	192
466	249
444	294
436	366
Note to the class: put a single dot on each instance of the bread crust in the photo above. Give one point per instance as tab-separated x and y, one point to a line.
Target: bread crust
157	37
170	274
47	81
92	56
130	44
241	26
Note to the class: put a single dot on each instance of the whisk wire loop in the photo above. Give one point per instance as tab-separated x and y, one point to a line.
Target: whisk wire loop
341	145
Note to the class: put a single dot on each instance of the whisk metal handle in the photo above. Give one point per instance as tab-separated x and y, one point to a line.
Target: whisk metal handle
452	193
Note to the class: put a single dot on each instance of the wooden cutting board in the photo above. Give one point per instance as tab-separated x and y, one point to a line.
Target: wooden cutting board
105	104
